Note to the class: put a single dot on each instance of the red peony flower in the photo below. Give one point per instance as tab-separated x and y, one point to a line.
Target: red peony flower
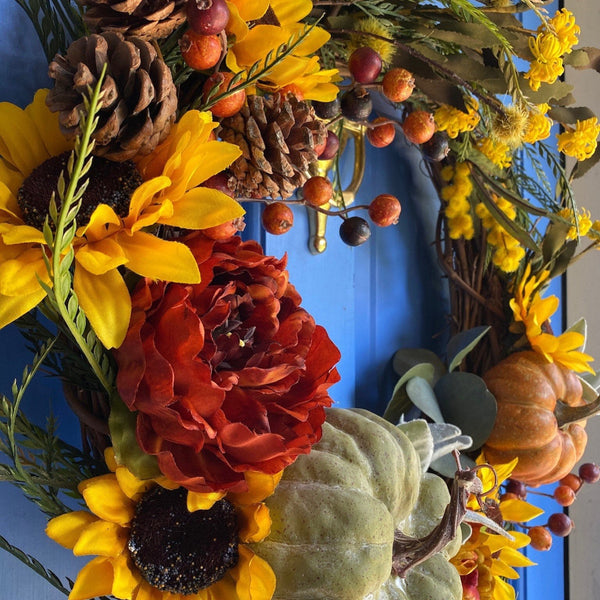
227	375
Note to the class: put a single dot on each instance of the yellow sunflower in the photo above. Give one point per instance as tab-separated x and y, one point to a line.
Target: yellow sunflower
155	541
166	192
282	20
531	311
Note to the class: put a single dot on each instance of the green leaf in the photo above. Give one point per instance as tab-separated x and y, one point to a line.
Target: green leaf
407	358
564	114
590	393
419	434
446	465
582	167
554	240
563	259
122	426
579	58
400	403
465	401
462	343
421	393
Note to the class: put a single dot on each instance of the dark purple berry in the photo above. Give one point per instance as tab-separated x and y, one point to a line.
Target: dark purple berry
560	524
357	104
327	110
354	231
589	472
332	145
516	487
437	148
207	17
365	65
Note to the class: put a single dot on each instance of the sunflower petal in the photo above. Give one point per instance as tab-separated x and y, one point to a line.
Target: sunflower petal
20	142
106	303
153	257
254	577
66	529
202	501
503	590
106	499
260	486
514	558
99	257
47	125
204	207
132	487
23	234
13	307
98	227
255	522
501	569
216	156
95	579
144	194
101	538
125	581
519	511
19	276
290	12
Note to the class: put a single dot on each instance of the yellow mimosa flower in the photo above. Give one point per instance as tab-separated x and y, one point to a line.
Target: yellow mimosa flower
581	141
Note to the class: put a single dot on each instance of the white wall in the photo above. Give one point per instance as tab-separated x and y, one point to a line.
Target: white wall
583	294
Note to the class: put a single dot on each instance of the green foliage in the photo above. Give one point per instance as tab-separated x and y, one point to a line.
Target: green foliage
56	22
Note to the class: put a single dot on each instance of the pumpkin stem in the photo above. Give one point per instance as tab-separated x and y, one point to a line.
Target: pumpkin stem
408	552
566	414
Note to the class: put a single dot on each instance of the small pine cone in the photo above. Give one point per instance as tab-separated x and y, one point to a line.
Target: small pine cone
278	138
148	19
140	100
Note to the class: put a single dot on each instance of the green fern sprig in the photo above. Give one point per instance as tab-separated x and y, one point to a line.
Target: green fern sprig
56	22
60	295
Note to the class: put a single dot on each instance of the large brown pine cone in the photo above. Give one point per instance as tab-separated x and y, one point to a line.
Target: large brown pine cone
140	99
148	19
278	138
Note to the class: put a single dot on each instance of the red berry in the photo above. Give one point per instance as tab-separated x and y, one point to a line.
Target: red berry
516	487
317	191
354	231
540	538
207	17
398	85
381	135
277	218
572	480
564	495
230	105
589	472
225	230
291	89
220	182
332	145
560	524
200	51
419	126
384	210
364	65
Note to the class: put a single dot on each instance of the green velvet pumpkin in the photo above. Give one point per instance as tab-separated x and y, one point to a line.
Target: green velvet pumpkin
336	509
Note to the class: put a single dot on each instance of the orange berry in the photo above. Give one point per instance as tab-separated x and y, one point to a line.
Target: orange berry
572	480
317	191
384	210
277	218
564	495
230	105
540	538
398	85
419	126
381	135
200	51
293	89
225	230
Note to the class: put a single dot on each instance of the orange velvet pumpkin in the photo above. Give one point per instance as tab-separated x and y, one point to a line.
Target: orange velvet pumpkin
528	424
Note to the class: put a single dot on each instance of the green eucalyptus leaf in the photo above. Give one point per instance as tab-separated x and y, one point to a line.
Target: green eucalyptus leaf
570	114
592	379
400	403
446	465
421	393
407	358
122	425
465	401
590	393
583	166
462	343
554	240
420	435
447	438
563	259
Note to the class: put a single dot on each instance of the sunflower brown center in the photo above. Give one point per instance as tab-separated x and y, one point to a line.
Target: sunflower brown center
109	183
180	551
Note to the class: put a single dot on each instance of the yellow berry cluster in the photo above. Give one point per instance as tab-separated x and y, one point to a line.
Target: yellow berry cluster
507	253
456	194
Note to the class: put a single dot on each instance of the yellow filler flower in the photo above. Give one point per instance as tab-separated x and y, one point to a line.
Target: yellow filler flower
156	541
122	201
531	312
581	141
278	21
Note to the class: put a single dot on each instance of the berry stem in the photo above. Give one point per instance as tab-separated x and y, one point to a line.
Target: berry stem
331	213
